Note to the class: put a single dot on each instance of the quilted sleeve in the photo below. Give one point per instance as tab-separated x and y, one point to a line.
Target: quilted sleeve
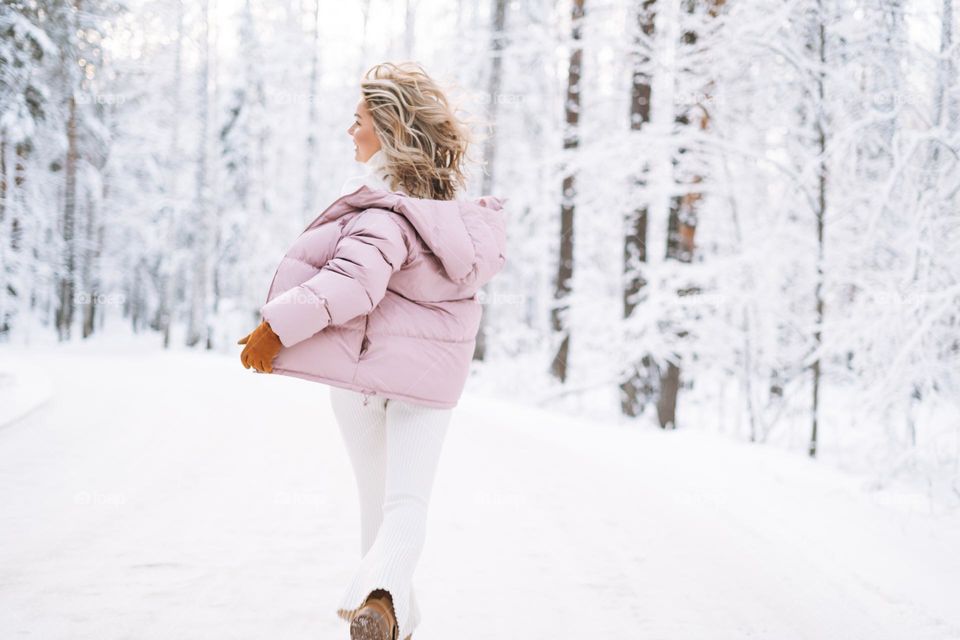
350	284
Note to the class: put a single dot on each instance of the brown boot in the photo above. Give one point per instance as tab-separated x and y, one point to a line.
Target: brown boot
375	619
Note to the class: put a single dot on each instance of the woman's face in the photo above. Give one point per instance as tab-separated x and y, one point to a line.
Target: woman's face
365	141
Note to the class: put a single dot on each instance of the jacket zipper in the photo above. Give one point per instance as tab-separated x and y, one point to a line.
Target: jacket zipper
364	345
364	341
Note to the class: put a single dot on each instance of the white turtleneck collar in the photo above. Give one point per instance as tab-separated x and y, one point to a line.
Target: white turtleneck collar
376	163
374	174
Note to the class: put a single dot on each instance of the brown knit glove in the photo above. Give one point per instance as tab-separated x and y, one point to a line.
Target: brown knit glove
262	347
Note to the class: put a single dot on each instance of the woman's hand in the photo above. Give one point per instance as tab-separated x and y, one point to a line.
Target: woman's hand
262	347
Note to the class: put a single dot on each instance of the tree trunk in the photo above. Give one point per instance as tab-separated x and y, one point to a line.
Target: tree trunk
67	279
198	328
637	389
571	140
682	222
90	257
169	268
5	260
820	46
409	30
497	44
309	186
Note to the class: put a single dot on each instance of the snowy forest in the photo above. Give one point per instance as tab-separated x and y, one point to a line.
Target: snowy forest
741	217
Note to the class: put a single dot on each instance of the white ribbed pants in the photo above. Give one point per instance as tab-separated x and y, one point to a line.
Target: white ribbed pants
394	447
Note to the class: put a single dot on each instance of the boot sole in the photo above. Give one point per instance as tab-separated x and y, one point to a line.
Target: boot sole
370	625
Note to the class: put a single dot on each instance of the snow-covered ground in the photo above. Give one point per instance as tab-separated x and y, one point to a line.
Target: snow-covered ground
151	494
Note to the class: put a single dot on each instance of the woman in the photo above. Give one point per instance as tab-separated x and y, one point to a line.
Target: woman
378	299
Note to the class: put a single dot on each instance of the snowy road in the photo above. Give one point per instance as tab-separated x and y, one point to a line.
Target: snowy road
177	495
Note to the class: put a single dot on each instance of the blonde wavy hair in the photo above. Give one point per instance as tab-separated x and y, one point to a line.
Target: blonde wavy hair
423	139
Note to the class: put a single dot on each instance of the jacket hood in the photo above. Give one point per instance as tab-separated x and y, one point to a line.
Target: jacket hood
467	236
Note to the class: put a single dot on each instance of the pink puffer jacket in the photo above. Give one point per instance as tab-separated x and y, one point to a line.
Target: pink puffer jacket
378	294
